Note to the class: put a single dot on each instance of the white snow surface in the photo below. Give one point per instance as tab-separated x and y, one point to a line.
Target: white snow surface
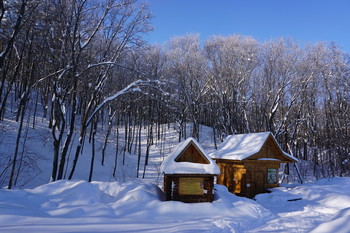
242	146
138	206
170	166
127	204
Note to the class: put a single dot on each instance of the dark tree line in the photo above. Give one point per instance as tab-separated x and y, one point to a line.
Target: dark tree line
84	66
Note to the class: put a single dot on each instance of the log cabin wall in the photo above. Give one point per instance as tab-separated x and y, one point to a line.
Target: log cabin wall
178	188
191	154
270	149
248	177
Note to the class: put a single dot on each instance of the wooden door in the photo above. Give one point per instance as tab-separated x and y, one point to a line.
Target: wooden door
259	181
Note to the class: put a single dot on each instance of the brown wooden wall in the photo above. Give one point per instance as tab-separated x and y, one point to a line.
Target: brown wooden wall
171	189
191	154
246	178
270	150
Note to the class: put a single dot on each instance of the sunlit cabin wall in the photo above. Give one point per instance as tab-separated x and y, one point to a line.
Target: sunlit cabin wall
249	177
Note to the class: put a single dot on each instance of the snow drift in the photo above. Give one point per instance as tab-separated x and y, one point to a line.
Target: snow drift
79	206
138	206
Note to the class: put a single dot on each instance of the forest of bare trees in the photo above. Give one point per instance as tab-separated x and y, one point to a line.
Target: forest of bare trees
84	64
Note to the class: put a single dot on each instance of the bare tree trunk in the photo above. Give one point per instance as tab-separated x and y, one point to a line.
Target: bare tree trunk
16	29
110	120
23	149
125	138
131	135
214	137
146	160
9	84
139	151
94	126
22	109
70	134
149	143
35	108
116	150
57	123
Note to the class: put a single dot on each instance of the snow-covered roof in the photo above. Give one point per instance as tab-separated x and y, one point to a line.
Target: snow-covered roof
242	146
171	166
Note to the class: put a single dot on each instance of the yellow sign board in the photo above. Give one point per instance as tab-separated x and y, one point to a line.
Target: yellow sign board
191	186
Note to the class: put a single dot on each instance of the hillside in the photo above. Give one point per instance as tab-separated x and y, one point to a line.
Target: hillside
36	153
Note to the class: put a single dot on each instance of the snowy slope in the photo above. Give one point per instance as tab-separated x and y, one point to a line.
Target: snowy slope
127	204
36	147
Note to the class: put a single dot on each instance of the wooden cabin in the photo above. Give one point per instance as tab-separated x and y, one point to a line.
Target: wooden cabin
189	173
249	163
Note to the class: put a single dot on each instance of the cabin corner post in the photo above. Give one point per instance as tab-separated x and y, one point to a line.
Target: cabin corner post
167	187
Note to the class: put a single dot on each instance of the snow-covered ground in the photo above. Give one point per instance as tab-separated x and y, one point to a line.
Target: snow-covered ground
138	206
128	204
322	206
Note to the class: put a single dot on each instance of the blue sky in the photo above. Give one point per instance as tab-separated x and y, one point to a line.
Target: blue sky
302	20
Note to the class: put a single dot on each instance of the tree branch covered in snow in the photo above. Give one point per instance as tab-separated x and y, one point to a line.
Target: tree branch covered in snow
132	87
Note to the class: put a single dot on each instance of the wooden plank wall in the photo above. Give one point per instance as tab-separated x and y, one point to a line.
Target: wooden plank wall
171	189
269	150
191	154
246	178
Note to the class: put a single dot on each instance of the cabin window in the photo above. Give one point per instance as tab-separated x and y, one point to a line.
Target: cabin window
272	176
191	186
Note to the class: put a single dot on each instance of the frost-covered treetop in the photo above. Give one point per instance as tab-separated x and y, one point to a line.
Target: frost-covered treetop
171	166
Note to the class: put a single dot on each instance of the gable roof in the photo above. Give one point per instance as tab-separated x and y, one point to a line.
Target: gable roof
243	146
171	165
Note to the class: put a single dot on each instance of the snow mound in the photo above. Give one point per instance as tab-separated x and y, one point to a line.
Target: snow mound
340	223
133	206
138	206
323	206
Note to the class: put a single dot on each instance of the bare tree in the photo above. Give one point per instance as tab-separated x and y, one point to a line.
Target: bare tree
187	70
86	39
233	60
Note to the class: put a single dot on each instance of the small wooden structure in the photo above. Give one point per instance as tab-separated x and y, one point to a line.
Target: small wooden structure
249	163
189	173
